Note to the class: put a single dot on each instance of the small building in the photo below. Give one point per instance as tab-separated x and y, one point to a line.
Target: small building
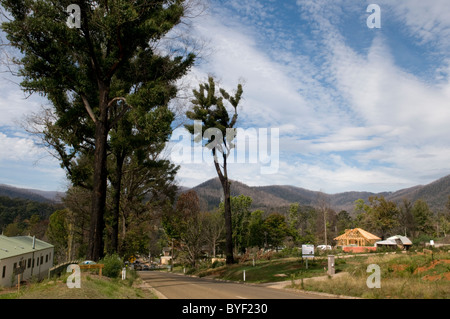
399	241
166	256
357	240
29	255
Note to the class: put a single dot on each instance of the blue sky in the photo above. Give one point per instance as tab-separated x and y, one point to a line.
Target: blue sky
356	108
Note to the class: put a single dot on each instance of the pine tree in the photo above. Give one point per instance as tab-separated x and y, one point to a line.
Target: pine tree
210	109
89	71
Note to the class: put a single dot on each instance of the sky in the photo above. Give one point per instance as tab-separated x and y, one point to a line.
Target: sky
332	104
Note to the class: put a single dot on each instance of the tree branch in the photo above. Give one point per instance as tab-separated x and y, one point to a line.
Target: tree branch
116	99
88	108
125	108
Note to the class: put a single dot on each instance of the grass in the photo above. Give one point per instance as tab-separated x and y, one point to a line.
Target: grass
92	287
271	270
403	276
408	276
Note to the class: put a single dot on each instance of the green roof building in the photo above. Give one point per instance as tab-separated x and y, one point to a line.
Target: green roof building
26	255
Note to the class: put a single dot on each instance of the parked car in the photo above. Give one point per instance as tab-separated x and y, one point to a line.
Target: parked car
146	267
137	265
324	247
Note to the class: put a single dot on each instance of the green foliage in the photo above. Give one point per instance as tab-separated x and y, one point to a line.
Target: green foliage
58	234
113	265
384	217
103	81
378	216
422	217
302	222
256	229
185	224
19	210
217	264
211	110
276	228
57	228
344	221
240	217
177	221
23	216
422	239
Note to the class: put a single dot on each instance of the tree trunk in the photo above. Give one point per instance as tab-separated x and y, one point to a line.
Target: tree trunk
227	207
117	185
96	244
228	227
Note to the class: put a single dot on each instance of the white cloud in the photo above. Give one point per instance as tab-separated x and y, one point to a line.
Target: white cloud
17	148
24	164
348	119
356	121
14	104
427	21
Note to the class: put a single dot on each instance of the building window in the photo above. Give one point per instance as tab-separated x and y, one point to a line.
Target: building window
32	265
15	265
4	272
37	261
29	262
42	260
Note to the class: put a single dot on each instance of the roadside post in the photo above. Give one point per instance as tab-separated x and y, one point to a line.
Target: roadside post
331	267
18	271
307	253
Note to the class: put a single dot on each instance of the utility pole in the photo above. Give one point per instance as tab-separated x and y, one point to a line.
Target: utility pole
171	259
325	224
322	205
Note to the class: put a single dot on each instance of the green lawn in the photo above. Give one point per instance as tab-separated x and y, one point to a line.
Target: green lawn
92	287
272	270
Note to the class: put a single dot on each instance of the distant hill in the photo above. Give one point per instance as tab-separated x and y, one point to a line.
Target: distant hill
31	194
436	194
276	197
281	196
210	193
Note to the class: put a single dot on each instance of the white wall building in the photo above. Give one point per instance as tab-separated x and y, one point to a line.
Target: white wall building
33	255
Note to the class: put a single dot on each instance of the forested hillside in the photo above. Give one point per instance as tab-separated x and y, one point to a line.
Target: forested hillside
20	216
262	217
435	194
34	195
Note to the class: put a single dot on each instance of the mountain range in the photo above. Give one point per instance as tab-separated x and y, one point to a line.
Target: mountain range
274	197
277	197
31	194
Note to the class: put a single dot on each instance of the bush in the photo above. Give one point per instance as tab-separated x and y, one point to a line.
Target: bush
113	265
217	263
422	239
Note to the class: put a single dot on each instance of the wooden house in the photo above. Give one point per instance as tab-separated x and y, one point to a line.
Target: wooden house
357	237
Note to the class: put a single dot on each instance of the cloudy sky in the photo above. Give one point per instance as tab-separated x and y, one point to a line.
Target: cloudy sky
355	108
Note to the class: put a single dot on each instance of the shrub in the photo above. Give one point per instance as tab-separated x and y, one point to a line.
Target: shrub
217	263
113	265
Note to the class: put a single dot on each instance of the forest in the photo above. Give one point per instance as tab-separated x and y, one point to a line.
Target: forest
197	234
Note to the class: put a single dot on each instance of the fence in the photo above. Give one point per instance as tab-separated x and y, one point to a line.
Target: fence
58	269
94	266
